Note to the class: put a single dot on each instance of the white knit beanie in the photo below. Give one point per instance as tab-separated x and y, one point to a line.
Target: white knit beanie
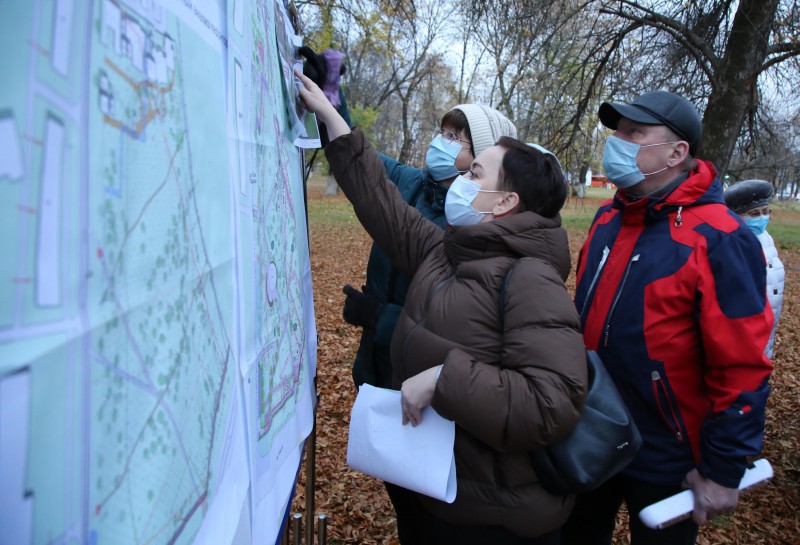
486	125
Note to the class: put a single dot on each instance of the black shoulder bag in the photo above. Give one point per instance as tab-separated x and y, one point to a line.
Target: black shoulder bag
603	442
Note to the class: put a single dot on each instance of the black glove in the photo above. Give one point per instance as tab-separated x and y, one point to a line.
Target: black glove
314	68
361	308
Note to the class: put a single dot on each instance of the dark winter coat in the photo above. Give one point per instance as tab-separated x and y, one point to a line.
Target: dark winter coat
511	386
385	282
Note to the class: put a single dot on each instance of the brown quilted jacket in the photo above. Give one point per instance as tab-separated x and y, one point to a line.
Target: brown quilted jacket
511	383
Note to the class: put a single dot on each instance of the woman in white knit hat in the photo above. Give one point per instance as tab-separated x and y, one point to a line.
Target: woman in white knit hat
485	125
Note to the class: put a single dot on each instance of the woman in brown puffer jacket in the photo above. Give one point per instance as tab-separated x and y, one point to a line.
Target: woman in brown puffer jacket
512	379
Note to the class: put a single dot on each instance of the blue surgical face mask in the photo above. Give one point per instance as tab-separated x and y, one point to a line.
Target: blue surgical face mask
441	159
619	162
458	207
757	225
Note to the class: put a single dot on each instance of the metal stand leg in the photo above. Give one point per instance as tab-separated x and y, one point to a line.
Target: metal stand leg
322	529
297	529
311	479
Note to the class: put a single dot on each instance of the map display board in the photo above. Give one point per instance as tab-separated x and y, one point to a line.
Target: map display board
157	339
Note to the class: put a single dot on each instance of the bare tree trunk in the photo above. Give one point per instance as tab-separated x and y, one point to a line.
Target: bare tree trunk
325	35
735	89
584	171
331	187
405	150
461	94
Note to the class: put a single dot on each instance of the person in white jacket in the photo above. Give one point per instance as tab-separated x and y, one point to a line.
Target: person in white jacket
750	200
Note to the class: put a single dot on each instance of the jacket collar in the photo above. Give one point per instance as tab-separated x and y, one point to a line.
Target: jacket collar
526	234
701	186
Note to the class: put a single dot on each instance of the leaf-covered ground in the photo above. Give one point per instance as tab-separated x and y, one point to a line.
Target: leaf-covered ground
357	505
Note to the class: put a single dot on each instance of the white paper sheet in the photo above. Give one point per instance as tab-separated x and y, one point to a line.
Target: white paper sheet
417	458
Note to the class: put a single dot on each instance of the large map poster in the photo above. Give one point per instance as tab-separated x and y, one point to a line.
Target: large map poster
157	340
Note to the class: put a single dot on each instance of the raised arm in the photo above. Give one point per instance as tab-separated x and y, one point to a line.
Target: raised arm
397	228
317	102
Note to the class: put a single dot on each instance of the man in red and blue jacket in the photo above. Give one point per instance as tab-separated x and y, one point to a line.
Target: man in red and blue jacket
672	295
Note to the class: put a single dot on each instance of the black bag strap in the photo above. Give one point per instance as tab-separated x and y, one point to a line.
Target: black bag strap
502	297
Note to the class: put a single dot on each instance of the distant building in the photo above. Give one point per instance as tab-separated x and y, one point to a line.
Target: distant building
599	180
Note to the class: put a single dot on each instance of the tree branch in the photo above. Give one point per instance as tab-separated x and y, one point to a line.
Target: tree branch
784	47
583	104
776	60
699	48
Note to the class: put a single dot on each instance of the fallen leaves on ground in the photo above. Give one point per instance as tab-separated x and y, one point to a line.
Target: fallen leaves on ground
358	507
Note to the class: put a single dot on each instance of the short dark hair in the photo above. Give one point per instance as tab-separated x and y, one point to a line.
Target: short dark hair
535	176
456	119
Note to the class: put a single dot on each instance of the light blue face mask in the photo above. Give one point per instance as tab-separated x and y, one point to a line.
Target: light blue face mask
441	159
619	162
458	209
757	225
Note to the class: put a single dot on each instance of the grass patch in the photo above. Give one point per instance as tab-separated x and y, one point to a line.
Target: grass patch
327	210
581	222
599	193
579	213
331	210
784	225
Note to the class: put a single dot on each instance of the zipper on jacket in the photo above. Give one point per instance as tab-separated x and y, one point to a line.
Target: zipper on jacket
673	425
633	260
606	251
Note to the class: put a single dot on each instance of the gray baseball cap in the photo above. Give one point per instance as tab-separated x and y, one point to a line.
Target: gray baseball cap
658	108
